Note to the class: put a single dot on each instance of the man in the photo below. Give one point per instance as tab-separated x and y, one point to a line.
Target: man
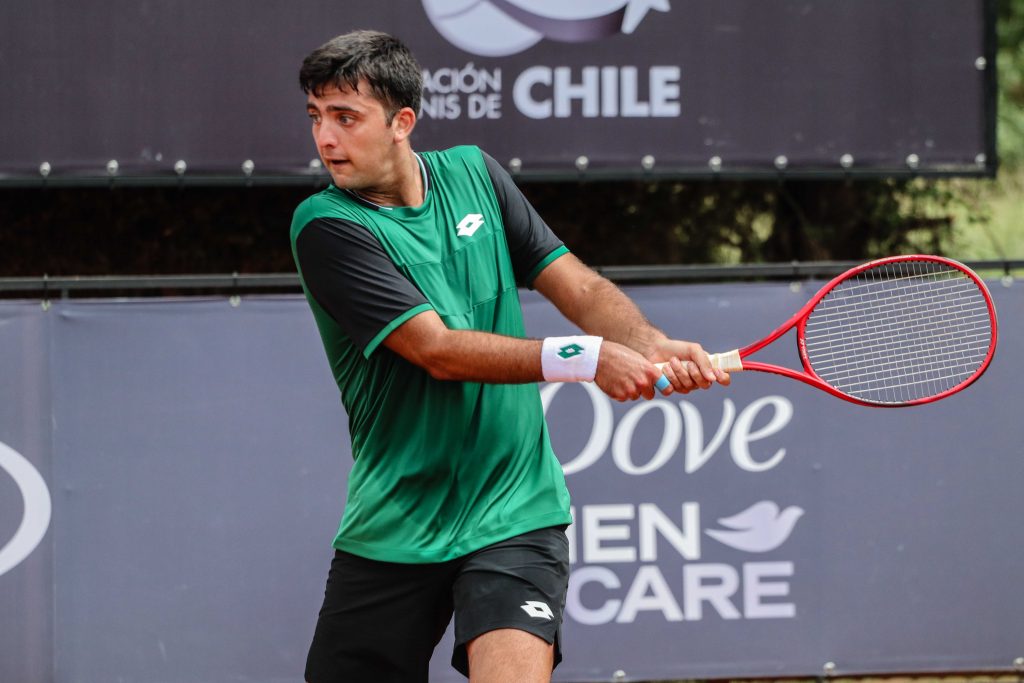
456	501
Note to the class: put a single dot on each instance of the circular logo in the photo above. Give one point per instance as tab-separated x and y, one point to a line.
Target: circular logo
497	28
479	27
36	497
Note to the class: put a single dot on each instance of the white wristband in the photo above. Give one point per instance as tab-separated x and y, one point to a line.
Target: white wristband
570	359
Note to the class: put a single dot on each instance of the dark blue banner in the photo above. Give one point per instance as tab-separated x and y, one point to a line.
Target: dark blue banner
613	88
172	474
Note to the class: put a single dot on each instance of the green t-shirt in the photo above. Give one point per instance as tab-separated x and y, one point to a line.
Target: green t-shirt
441	468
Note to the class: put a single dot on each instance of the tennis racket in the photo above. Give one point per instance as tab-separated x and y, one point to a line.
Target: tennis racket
899	331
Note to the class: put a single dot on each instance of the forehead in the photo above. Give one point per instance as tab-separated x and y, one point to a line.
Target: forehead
345	97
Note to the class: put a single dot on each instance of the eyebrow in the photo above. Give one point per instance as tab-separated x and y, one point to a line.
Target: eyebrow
331	108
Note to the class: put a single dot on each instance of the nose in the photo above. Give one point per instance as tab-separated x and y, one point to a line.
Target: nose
325	136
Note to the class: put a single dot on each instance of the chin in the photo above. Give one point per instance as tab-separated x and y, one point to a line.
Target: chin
343	182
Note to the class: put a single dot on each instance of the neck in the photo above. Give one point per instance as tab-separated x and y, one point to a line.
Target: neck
402	187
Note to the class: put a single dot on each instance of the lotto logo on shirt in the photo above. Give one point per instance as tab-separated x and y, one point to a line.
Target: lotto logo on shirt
470	224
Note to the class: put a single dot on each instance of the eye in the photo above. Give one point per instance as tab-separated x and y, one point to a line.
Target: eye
315	118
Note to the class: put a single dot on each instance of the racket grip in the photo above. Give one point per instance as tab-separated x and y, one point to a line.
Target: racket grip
729	361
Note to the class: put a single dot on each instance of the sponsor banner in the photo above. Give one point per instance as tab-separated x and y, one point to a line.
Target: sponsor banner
26	492
614	87
768	529
195	453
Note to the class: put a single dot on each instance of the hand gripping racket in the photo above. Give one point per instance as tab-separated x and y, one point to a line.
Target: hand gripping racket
899	331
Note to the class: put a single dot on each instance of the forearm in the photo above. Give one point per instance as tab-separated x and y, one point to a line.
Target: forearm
466	355
602	309
605	311
470	356
614	316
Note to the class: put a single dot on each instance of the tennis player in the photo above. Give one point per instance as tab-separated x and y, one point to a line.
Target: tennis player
456	502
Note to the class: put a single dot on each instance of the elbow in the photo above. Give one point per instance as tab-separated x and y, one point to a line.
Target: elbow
433	358
425	342
440	371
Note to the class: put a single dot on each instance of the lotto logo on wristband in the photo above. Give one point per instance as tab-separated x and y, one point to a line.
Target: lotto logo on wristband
570	359
570	351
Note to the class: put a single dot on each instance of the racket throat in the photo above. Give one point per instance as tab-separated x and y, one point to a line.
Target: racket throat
729	361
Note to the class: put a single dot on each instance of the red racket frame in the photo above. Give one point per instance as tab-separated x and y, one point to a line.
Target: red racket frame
799	320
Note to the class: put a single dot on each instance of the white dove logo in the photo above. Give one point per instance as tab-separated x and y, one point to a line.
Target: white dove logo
759	528
497	28
36	519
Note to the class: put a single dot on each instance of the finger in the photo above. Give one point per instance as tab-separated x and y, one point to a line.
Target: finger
681	380
643	385
669	374
664	385
703	363
698	375
723	377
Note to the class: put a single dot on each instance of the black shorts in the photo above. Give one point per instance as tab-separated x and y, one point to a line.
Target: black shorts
381	621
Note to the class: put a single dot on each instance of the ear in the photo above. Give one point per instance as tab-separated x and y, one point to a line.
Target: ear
403	123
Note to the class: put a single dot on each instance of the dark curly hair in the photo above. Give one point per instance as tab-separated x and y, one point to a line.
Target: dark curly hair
385	63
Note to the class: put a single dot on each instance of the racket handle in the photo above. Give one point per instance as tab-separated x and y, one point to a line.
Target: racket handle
729	361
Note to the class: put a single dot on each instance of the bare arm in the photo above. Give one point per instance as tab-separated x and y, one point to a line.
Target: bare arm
470	356
346	269
597	305
600	308
465	355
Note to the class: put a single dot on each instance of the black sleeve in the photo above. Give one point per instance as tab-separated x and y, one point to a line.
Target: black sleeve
530	240
351	277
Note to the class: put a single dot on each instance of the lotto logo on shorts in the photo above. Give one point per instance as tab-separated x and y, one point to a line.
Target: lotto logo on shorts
570	351
537	609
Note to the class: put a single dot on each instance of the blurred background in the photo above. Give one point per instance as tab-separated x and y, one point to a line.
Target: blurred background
166	458
121	227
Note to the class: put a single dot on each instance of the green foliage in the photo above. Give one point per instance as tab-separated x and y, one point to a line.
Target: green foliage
728	222
733	222
1010	70
609	223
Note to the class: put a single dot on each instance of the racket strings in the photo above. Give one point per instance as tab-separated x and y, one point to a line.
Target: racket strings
961	293
938	351
957	327
853	378
900	332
